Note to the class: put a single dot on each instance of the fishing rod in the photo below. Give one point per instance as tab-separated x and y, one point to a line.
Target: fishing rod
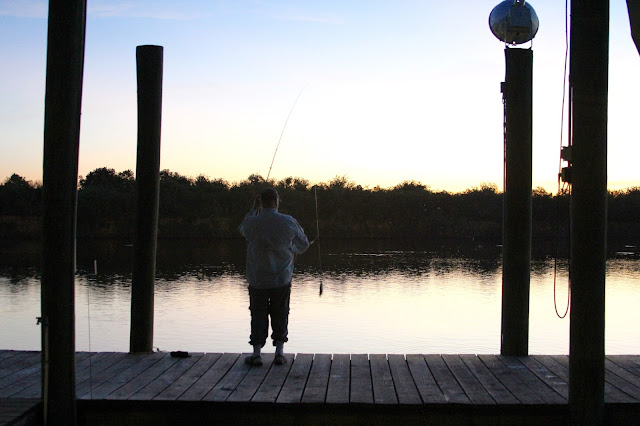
314	188
282	133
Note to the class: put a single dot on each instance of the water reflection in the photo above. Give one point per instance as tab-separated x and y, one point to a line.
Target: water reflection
379	297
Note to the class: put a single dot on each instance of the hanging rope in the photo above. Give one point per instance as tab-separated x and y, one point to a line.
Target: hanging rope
560	187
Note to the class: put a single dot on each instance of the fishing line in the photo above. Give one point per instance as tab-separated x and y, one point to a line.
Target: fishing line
315	191
95	274
282	132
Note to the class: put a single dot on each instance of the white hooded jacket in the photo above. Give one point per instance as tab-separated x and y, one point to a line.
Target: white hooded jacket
272	239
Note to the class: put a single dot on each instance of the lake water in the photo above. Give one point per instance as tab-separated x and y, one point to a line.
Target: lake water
378	297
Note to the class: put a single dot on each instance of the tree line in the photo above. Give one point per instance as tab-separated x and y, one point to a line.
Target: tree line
213	208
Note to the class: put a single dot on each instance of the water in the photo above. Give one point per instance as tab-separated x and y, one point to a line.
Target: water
379	297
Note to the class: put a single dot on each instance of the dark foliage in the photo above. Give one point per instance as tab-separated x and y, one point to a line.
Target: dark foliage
212	208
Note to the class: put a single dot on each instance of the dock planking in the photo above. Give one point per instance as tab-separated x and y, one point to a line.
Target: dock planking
384	391
485	381
338	385
316	389
210	378
249	385
403	381
269	389
361	386
296	380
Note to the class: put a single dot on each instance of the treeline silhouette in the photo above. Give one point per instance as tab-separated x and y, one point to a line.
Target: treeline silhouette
212	208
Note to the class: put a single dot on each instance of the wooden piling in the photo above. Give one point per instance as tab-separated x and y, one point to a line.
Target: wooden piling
589	58
63	99
516	251
633	7
149	69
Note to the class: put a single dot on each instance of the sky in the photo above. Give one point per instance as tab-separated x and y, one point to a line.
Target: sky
387	91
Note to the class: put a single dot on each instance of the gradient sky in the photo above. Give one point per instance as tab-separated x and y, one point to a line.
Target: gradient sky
391	90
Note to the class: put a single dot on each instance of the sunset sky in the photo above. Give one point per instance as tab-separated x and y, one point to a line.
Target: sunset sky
390	90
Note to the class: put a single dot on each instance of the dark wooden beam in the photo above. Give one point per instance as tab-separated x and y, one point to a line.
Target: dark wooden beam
516	250
633	6
149	65
589	76
63	99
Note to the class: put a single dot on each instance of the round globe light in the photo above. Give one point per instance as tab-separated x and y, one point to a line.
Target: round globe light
514	22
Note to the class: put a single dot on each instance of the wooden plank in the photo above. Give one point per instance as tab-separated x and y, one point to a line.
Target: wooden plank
361	385
494	387
162	382
293	387
208	380
447	382
428	388
611	393
31	385
510	380
631	363
548	377
339	379
145	377
632	358
554	366
384	391
230	381
247	388
84	355
272	384
85	360
18	362
16	411
316	390
6	354
635	359
181	385
617	366
546	393
98	363
469	383
84	390
145	361
35	388
403	381
621	379
20	380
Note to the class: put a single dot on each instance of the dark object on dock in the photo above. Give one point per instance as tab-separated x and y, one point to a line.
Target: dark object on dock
180	354
149	65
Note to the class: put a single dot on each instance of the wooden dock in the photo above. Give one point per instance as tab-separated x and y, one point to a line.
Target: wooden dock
156	388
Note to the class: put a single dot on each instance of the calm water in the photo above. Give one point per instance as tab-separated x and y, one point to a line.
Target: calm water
379	297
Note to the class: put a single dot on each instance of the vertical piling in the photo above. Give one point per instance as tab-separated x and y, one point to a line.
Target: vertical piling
63	99
149	70
516	251
589	58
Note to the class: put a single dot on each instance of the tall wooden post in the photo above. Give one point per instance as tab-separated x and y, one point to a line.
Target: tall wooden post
149	66
633	6
63	99
589	58
516	251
